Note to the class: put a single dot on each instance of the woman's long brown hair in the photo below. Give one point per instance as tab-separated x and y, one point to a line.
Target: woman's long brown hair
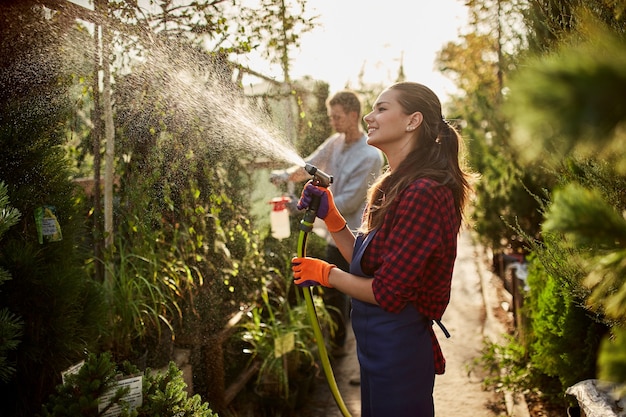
435	156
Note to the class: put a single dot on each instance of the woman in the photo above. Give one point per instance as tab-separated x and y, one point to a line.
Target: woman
401	259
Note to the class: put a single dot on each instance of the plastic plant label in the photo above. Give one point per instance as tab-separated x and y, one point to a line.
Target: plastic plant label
134	398
72	370
48	228
284	344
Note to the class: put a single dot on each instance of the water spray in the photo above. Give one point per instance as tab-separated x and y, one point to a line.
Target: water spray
321	179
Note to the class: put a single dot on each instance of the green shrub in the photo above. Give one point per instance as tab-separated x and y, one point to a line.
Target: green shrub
561	342
79	395
163	392
506	368
10	324
164	395
565	338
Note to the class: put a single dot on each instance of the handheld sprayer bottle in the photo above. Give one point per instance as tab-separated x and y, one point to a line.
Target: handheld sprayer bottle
279	218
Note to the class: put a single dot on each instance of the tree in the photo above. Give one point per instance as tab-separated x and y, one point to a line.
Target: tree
577	116
278	26
481	65
564	117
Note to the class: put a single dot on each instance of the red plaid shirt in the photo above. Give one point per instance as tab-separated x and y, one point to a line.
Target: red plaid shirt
412	255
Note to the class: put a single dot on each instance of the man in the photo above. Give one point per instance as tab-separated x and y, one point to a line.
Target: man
354	165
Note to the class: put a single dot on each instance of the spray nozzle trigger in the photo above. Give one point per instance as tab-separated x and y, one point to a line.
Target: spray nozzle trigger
320	178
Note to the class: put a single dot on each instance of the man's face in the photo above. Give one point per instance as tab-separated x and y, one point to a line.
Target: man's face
339	119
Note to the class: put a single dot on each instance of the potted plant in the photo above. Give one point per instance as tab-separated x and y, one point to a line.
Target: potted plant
162	393
279	335
139	305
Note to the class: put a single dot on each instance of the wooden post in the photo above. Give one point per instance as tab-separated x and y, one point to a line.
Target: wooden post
109	136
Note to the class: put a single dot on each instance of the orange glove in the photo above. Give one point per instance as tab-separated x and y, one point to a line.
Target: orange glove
327	210
308	272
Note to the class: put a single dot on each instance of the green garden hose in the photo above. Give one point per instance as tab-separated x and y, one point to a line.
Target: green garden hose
306	225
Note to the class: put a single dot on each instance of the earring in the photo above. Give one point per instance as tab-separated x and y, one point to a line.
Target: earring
409	128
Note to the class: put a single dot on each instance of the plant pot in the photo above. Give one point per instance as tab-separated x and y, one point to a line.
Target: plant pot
303	386
273	402
573	411
160	348
140	360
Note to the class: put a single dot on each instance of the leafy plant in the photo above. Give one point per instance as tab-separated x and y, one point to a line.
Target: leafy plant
163	393
10	323
281	338
80	394
62	309
597	232
138	302
506	366
559	323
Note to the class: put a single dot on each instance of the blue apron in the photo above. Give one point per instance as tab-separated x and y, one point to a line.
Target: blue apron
395	355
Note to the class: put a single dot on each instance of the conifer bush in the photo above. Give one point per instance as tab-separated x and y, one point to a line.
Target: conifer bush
163	392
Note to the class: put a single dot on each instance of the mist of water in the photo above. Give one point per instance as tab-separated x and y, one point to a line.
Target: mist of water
202	99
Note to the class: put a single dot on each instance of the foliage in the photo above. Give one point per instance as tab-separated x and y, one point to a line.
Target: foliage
317	127
571	114
543	119
278	26
560	344
216	24
9	216
10	324
280	336
164	395
80	392
508	369
574	214
185	186
559	307
221	27
558	322
572	102
183	190
62	310
550	23
139	303
163	392
186	252
612	357
480	64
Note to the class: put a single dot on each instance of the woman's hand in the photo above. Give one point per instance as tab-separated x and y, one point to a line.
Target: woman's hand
309	272
327	210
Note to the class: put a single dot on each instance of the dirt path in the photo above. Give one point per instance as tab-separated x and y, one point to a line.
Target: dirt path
469	317
459	391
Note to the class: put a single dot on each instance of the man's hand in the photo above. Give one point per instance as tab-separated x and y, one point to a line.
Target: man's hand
279	177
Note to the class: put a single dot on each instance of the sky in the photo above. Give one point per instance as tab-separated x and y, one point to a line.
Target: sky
370	36
373	36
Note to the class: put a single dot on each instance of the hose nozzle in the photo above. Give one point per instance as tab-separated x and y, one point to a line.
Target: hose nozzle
320	178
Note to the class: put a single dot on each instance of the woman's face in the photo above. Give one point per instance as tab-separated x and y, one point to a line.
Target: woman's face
389	128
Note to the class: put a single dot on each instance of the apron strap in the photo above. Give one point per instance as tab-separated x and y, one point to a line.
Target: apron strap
443	328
